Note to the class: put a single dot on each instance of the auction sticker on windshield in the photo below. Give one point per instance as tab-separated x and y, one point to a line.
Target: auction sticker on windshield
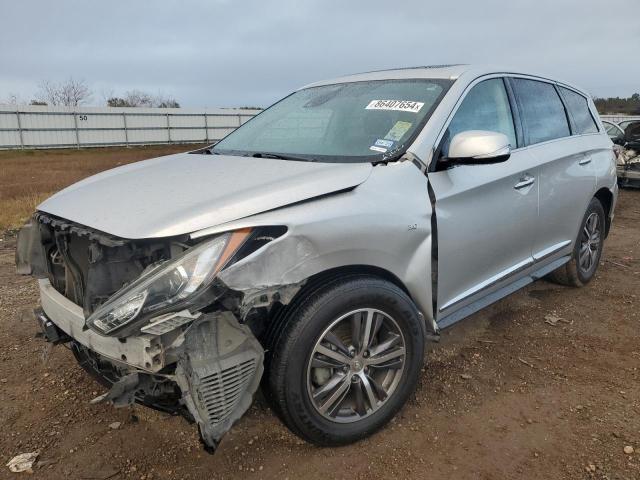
397	131
377	149
397	105
384	143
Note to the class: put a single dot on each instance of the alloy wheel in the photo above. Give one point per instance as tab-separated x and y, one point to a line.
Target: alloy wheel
356	365
590	242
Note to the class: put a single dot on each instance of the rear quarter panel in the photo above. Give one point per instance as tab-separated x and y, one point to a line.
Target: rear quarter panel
604	163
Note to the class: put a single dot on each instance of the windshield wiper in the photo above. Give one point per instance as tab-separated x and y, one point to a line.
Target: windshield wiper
280	156
391	158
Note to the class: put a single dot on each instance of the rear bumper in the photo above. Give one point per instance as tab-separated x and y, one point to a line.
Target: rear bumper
144	352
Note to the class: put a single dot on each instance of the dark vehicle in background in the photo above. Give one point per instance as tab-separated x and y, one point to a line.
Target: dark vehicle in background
625	123
626	138
632	135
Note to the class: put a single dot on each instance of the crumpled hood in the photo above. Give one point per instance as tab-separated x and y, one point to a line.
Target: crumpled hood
183	193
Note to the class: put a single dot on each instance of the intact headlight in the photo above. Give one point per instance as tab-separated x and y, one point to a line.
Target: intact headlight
167	285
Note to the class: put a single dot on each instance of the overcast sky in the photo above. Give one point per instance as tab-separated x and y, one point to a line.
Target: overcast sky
234	53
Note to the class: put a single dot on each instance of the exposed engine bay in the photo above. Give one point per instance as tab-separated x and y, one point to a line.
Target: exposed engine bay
87	266
627	150
627	156
201	359
628	166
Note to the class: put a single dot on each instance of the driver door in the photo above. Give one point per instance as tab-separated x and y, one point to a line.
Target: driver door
486	213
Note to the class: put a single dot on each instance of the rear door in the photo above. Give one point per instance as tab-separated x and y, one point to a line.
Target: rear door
486	213
566	178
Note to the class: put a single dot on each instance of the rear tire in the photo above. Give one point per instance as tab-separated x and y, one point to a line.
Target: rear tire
361	380
587	250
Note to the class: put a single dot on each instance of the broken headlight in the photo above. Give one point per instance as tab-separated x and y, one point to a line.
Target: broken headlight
168	284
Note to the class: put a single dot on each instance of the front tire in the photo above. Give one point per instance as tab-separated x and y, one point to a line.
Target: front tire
347	360
587	249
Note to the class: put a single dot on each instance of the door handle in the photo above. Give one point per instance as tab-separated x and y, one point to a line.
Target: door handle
524	182
586	160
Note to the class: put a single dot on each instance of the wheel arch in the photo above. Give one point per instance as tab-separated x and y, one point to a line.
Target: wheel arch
281	314
605	197
320	279
357	269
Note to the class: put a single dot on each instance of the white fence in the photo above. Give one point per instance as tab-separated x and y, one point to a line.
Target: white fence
619	118
31	126
65	127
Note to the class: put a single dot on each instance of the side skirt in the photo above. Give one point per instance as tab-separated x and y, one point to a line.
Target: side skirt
493	297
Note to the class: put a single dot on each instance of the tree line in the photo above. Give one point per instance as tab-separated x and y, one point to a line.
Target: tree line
74	92
617	105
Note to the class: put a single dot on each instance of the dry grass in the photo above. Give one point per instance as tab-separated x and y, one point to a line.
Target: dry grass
30	176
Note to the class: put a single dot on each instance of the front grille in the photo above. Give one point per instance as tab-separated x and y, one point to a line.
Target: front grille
220	393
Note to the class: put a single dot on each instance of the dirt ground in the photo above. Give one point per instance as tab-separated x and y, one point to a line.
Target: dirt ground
542	385
27	177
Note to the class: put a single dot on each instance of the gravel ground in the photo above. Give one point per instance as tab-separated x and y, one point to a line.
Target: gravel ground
542	385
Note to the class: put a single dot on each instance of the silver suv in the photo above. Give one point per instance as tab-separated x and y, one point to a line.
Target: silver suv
316	248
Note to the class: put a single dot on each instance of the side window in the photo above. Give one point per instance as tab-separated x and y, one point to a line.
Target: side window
485	107
542	111
578	108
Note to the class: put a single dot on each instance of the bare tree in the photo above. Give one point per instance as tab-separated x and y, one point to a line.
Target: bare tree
138	98
48	92
74	92
69	93
165	101
106	93
116	102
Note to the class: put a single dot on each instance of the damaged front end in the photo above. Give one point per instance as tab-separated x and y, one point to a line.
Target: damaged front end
151	319
628	166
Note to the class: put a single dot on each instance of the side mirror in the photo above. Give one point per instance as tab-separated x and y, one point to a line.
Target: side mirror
479	146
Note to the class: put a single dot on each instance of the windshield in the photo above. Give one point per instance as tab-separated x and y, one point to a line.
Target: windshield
348	122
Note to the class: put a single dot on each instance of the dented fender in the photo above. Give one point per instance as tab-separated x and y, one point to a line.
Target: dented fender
336	231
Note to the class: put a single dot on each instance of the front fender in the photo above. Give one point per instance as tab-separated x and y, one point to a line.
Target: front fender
384	223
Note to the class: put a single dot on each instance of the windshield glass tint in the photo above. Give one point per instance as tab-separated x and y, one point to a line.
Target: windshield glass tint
348	122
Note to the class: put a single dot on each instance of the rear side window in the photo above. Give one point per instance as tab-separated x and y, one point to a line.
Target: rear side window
578	108
542	111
